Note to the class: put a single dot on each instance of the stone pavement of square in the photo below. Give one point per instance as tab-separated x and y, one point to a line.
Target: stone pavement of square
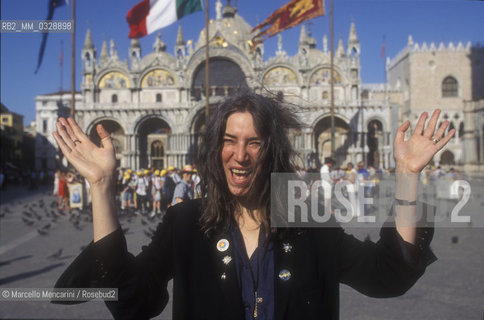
452	287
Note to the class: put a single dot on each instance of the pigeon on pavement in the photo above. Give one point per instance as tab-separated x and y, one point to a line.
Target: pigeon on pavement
56	255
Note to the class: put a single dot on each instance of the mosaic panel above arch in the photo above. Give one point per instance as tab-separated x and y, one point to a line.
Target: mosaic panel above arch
114	80
280	76
157	78
322	76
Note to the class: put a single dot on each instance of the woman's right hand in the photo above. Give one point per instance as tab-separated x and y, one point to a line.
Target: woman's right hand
96	164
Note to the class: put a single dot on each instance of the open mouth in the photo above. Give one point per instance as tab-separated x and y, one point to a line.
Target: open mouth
240	172
240	176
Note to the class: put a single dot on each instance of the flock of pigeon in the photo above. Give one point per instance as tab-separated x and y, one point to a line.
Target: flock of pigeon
43	215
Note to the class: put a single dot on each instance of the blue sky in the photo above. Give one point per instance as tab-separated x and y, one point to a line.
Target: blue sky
426	20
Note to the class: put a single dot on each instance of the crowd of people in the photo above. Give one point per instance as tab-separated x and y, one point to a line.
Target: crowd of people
152	191
435	181
144	191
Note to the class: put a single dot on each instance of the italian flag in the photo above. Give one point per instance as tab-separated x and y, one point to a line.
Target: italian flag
151	15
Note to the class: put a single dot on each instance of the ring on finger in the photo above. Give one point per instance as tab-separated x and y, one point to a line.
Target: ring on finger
435	141
76	141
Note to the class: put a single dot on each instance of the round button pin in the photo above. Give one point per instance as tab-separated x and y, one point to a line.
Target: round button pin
222	245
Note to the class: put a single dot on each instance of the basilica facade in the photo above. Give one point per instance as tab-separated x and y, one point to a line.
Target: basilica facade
153	105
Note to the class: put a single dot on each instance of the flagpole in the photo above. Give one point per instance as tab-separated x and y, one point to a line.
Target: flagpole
331	77
384	68
73	60
61	66
207	89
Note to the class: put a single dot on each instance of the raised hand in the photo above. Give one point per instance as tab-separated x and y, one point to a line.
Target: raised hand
94	163
413	155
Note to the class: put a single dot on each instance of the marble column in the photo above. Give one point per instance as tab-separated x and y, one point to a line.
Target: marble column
469	136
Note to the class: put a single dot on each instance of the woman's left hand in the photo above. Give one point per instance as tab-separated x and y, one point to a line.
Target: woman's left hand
413	155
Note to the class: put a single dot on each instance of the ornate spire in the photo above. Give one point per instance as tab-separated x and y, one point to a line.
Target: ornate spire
310	40
410	40
88	41
104	51
325	44
134	53
218	10
302	37
279	44
340	52
179	37
353	38
134	43
228	11
112	50
159	45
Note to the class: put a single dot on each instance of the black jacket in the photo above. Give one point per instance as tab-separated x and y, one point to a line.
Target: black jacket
206	288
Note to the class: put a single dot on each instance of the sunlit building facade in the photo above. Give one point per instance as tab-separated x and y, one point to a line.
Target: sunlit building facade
154	104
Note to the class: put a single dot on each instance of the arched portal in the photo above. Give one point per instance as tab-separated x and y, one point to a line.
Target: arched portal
447	158
153	142
117	136
226	78
374	142
322	139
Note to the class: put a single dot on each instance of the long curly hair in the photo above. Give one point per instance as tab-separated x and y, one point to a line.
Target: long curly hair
272	120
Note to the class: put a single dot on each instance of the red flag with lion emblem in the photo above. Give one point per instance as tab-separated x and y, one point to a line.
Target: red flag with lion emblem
288	16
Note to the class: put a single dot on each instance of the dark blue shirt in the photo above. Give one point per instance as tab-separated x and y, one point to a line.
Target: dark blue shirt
364	172
258	271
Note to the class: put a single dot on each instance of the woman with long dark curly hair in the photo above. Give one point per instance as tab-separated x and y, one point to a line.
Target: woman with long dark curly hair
225	260
273	153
